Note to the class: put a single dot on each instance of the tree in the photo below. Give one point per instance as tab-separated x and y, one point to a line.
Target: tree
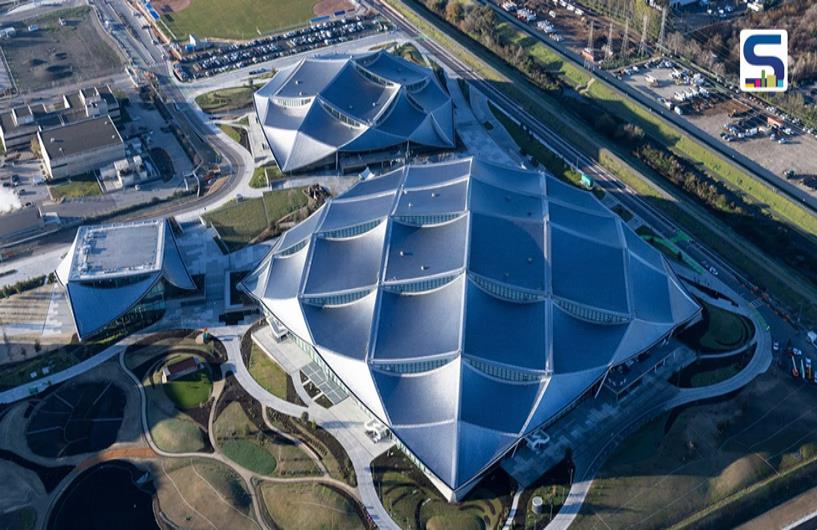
454	12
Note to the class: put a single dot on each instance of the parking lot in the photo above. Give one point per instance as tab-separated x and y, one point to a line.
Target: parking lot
716	112
223	58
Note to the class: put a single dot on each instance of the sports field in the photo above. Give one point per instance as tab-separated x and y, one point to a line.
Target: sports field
233	19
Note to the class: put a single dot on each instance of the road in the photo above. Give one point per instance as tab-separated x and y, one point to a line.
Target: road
744	162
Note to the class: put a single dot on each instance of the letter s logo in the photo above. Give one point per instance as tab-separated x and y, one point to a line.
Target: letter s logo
764	60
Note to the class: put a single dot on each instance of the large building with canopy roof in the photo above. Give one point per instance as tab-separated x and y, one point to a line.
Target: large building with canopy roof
466	305
330	106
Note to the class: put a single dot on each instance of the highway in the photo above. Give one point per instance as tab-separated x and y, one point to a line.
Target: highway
744	162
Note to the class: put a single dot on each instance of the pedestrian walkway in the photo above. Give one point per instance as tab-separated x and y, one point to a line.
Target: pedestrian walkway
472	132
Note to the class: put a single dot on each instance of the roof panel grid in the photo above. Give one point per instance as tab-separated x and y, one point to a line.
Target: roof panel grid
417	326
419	252
508	252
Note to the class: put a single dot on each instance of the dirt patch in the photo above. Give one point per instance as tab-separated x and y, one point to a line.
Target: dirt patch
328	7
163	7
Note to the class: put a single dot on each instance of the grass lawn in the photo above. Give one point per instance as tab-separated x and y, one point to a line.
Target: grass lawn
226	99
190	390
309	506
279	203
75	188
262	173
238	19
249	454
240	222
267	373
531	146
172	430
719	331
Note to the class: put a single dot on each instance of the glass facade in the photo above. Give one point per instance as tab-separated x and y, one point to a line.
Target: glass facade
506	291
351	231
294	248
506	373
419	286
591	314
336	299
426	220
412	367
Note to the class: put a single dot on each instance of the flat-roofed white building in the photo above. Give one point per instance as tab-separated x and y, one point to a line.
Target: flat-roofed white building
466	305
80	147
117	274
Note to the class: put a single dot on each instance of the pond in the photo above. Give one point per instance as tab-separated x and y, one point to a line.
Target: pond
103	497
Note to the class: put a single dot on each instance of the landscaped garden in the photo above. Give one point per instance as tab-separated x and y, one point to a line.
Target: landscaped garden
226	99
177	411
244	221
243	437
719	330
415	504
189	390
262	176
310	506
271	376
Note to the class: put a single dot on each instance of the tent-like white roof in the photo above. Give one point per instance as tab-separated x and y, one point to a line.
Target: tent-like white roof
465	304
352	103
110	268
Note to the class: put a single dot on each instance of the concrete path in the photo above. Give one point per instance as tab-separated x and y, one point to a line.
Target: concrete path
344	421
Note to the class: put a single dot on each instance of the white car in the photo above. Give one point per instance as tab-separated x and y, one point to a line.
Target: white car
713	270
775	346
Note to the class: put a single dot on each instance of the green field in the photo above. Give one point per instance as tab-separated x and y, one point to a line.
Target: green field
238	19
233	132
190	390
309	507
75	188
172	430
226	99
241	222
